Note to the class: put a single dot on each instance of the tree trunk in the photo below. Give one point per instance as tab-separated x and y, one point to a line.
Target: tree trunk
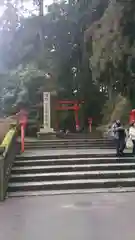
41	7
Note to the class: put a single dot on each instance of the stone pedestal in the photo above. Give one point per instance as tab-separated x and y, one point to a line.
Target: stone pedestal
46	130
46	133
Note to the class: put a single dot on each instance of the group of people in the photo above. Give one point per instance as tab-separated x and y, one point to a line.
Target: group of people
120	135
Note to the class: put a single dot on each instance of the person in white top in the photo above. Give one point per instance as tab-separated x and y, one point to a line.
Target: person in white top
132	135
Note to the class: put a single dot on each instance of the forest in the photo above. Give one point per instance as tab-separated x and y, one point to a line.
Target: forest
76	49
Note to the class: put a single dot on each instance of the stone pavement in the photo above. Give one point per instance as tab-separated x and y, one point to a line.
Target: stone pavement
103	216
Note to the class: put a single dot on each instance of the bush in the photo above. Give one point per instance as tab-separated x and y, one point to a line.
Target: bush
5	125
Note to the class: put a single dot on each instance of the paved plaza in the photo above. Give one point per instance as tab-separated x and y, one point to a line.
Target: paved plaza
94	216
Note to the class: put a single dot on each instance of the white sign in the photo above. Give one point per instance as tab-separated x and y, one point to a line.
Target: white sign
46	109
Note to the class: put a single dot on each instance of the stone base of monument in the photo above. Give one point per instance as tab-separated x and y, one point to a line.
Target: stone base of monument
46	133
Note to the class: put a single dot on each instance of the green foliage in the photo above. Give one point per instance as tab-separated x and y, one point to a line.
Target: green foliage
86	46
113	48
26	83
119	108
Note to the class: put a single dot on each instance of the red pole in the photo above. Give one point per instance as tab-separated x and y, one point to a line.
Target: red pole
22	137
22	118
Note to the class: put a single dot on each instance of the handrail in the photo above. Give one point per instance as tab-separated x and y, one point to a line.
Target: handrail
9	148
7	140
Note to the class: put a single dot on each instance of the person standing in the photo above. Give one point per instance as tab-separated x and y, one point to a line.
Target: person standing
132	135
119	136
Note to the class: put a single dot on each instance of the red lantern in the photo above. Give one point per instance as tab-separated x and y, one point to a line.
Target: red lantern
90	120
132	116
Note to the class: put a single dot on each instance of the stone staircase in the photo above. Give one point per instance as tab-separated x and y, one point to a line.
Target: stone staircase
41	174
70	168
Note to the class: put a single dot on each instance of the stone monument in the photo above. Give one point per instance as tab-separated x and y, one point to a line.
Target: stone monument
47	112
46	130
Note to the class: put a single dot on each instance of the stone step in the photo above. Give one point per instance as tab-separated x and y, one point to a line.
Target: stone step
70	147
32	155
71	184
67	143
36	141
58	135
65	139
72	175
71	191
73	161
70	143
70	168
71	172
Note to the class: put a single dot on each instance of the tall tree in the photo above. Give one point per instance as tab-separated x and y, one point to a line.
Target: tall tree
55	44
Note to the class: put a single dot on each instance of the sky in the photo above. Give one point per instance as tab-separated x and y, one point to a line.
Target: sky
28	5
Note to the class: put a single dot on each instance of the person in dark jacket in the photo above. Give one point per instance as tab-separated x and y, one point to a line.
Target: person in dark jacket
119	136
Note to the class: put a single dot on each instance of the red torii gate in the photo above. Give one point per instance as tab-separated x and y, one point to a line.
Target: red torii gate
75	106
